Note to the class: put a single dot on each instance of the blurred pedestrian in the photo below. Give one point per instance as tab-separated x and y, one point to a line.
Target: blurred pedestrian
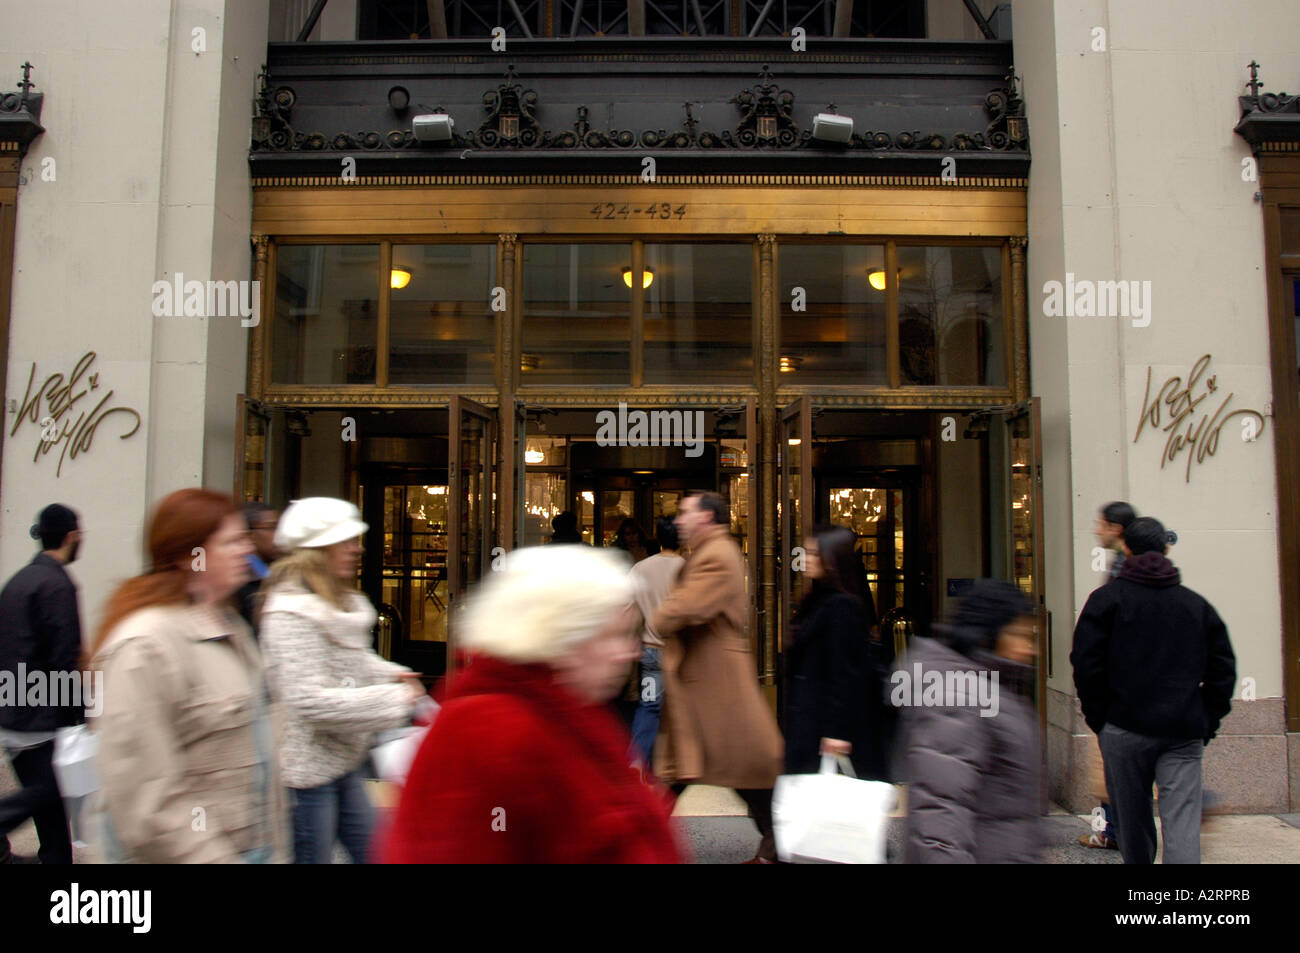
525	762
632	540
1112	520
835	693
972	750
336	692
716	728
564	528
653	578
262	521
1154	670
186	758
41	634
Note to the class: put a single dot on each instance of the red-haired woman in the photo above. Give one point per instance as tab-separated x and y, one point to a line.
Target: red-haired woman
186	759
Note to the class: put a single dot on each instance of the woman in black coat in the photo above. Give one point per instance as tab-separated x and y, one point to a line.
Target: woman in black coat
835	689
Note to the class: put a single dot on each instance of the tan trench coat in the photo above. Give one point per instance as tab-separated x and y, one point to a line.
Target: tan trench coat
177	757
715	727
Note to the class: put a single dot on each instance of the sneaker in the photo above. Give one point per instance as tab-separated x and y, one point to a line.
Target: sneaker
1098	840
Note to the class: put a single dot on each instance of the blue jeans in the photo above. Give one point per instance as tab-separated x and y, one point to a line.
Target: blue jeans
339	809
645	723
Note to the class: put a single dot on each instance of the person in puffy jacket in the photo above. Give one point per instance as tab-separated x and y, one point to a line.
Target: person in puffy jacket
972	751
334	690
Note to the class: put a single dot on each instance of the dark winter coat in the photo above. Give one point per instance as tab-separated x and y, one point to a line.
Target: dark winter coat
975	783
834	690
517	769
40	627
1151	656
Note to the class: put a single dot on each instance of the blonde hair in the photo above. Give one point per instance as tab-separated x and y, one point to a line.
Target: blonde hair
545	600
304	568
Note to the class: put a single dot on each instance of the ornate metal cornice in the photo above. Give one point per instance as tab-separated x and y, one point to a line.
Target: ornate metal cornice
740	180
765	123
948	398
439	55
1269	121
933	398
20	115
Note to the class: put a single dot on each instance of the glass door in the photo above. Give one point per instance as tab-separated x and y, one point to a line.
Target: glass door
1015	471
471	497
880	516
414	581
794	506
738	482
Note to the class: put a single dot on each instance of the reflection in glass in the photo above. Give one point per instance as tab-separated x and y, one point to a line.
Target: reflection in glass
577	315
415	559
473	476
587	516
839	335
545	451
698	313
324	330
442	327
950	328
1022	514
615	506
876	516
545	497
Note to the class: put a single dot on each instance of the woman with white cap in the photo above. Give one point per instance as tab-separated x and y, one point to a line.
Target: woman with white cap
335	691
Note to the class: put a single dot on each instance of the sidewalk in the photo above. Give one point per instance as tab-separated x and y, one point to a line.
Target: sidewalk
720	833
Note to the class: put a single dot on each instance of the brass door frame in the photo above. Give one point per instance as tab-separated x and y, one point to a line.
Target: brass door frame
893	211
456	490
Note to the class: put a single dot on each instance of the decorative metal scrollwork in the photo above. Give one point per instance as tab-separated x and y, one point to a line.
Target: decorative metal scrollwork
766	123
1008	127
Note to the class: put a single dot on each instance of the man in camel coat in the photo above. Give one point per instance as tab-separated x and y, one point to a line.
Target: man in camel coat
716	727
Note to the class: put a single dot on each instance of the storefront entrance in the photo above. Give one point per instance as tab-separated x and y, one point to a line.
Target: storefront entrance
936	499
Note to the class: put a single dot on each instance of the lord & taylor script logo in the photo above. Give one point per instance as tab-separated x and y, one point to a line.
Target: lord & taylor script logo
1191	427
60	399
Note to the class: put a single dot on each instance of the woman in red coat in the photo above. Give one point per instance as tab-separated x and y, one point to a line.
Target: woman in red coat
525	762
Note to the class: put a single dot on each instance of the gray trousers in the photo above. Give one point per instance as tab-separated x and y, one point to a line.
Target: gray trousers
1133	762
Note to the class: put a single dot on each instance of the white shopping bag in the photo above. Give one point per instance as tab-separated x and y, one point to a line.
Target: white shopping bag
395	750
393	755
830	818
74	761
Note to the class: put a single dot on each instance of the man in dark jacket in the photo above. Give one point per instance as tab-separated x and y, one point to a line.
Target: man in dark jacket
1154	672
262	521
40	634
